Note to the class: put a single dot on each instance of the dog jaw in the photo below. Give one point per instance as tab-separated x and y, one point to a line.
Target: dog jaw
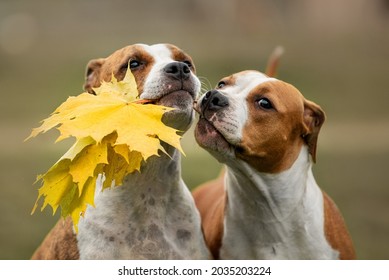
209	138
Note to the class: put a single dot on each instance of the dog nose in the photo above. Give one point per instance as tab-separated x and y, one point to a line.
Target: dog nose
214	100
177	70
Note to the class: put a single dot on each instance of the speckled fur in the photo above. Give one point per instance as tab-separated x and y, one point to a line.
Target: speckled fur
152	216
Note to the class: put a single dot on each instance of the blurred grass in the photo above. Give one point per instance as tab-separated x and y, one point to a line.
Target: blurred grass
337	54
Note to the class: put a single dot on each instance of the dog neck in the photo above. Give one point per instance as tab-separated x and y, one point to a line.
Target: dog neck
151	216
282	213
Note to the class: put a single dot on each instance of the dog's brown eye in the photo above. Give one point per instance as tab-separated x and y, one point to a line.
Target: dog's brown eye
134	64
265	103
221	84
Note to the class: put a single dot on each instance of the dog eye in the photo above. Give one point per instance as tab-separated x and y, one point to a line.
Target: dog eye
265	103
221	84
134	64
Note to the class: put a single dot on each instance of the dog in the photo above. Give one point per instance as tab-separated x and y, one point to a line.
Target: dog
266	204
153	214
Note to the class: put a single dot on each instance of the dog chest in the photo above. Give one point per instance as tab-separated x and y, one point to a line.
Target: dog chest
142	223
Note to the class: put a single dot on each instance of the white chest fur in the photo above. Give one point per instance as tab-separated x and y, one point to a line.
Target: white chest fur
152	216
275	216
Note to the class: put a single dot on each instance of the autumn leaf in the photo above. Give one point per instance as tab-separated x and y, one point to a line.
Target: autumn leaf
114	131
126	87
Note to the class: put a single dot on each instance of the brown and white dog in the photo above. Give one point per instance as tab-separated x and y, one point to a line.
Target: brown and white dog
152	215
266	205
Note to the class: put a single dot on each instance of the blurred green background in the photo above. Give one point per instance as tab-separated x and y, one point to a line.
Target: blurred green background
337	54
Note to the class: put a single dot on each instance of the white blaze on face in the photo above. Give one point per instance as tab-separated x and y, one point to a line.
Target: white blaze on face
162	56
238	87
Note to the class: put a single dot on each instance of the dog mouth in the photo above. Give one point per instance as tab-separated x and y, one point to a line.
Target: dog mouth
212	136
172	99
178	99
182	115
212	139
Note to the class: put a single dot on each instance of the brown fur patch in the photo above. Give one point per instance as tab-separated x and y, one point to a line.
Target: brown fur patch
116	64
336	231
210	199
272	137
59	244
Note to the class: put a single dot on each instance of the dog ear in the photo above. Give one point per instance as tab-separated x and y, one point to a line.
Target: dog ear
314	118
92	74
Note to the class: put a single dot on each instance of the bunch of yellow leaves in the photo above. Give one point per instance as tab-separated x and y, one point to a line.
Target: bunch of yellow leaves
114	130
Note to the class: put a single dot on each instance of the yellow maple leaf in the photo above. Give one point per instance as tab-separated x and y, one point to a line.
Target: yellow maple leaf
96	116
127	87
114	133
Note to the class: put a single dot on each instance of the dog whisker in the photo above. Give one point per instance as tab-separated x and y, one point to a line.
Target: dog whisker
205	85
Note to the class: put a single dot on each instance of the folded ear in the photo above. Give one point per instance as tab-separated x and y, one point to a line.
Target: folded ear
314	118
92	74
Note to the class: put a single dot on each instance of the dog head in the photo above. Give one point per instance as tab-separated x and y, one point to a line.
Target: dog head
260	120
163	73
